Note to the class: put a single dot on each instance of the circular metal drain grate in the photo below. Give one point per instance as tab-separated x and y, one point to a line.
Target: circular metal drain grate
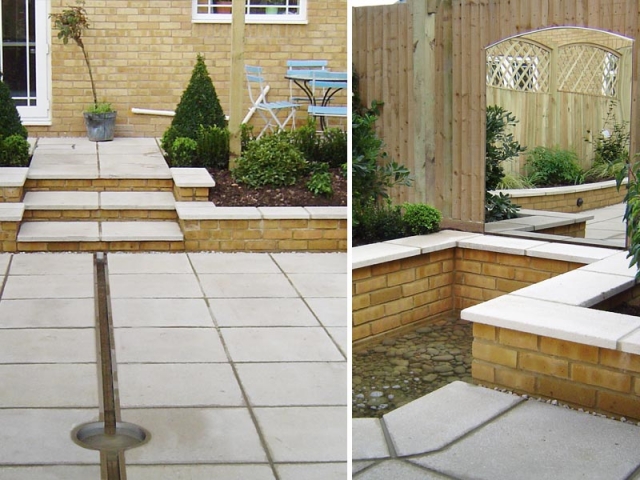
94	437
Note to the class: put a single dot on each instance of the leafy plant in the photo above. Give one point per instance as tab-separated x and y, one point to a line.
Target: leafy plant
514	181
99	108
320	181
198	106
184	152
499	207
500	145
548	167
376	223
332	147
632	211
213	147
420	219
611	148
14	151
271	160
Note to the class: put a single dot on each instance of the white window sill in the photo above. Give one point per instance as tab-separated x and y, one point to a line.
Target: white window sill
268	19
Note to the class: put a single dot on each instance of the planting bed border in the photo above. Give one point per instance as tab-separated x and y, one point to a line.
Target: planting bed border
529	300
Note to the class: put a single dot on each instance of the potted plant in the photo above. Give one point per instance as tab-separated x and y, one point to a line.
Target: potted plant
272	7
100	118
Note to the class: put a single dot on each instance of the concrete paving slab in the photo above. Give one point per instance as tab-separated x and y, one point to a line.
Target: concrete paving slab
52	264
61	201
397	469
195	435
357	466
515	246
158	312
543	442
321	284
13	176
62	158
168	345
578	287
134	171
195	210
454	411
5	258
178	385
48	346
47	313
280	344
140	230
340	336
137	201
233	263
288	384
43	437
435	241
62	172
130	141
50	472
49	386
312	471
304	434
197	472
154	286
367	439
322	213
257	285
283	213
375	253
148	263
311	262
48	286
192	177
332	312
59	232
262	312
555	320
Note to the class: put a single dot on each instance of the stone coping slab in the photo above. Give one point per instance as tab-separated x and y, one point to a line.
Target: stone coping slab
540	192
11	212
13	176
192	177
208	211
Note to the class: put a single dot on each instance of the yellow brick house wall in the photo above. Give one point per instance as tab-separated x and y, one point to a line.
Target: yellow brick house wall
143	52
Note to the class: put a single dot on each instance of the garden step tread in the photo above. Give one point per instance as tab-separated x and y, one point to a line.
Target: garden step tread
99	231
69	200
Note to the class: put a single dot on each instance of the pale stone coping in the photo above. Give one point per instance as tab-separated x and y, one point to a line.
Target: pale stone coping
137	200
541	192
515	246
192	177
377	253
208	211
570	253
61	200
13	176
535	220
11	212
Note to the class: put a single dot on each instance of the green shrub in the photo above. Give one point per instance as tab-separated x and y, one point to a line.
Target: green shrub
499	207
99	108
420	219
500	145
199	106
320	181
611	151
246	135
632	211
547	167
271	160
14	151
305	138
376	223
213	147
185	151
10	123
332	148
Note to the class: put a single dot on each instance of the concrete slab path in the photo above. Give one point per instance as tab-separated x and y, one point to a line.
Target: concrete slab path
235	364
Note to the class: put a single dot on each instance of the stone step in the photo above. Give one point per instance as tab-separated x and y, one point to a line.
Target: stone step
69	205
102	236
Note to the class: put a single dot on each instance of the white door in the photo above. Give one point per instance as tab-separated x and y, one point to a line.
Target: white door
24	58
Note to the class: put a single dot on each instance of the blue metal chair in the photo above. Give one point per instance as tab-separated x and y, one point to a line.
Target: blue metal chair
331	83
268	111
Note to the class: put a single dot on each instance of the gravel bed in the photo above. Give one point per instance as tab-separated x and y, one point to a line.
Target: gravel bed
398	370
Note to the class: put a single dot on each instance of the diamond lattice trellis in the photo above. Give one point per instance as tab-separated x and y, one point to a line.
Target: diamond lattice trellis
518	65
588	69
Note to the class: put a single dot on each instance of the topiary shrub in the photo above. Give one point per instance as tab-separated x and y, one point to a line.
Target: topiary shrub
550	167
420	219
199	106
213	147
14	152
185	151
10	123
271	160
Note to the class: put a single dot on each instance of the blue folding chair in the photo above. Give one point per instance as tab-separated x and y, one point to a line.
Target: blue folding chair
331	83
268	111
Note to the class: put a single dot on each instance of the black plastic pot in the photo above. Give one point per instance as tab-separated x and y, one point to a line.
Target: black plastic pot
100	126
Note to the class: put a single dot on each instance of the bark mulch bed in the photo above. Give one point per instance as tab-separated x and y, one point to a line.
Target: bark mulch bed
228	193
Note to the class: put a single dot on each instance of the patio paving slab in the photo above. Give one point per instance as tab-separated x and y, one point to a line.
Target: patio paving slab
280	344
319	285
398	469
195	472
149	263
312	471
178	385
368	440
233	263
294	384
262	312
47	313
148	285
159	312
51	472
52	264
257	285
59	232
311	262
43	436
168	345
340	336
48	286
196	435
543	442
48	346
5	258
47	386
304	434
330	311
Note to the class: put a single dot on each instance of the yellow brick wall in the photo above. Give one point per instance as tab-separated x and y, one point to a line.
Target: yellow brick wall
143	52
567	202
584	376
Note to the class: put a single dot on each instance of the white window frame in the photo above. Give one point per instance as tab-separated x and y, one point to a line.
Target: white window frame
41	113
295	19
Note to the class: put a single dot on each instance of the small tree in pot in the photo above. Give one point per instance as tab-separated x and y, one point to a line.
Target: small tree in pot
100	118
